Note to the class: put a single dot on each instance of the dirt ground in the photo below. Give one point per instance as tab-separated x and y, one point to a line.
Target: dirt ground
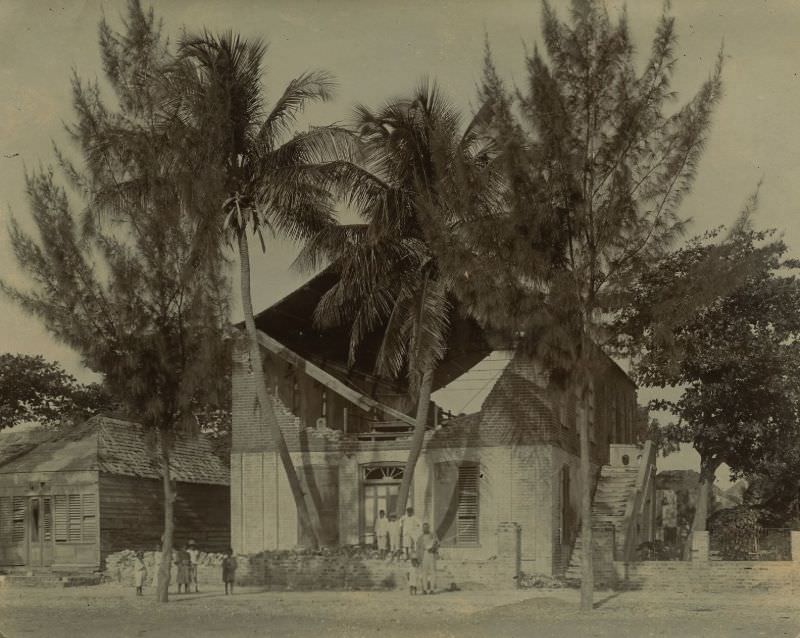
113	611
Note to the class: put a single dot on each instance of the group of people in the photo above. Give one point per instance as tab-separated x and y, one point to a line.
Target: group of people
413	540
186	560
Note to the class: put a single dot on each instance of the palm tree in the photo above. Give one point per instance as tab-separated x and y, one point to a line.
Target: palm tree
263	178
389	276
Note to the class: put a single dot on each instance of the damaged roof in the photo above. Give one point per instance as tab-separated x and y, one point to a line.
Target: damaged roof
113	446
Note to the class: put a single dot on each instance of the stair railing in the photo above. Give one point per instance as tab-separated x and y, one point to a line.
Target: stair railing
634	506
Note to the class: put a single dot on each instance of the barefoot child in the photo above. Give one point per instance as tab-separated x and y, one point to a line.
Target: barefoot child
381	533
427	548
228	571
394	535
413	576
194	559
139	572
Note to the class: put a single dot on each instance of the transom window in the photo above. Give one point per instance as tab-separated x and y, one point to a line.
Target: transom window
383	472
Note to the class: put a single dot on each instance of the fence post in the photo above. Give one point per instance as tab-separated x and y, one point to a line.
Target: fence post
700	546
795	546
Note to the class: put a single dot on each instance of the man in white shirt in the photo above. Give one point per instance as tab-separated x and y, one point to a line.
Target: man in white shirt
382	533
411	529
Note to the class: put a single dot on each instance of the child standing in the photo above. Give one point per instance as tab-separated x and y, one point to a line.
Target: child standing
194	559
394	535
229	571
427	548
413	576
381	533
182	562
139	572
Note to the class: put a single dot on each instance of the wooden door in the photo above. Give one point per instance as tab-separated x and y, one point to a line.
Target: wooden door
377	497
39	531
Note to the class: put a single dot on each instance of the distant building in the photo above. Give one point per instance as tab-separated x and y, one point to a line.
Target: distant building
69	498
516	460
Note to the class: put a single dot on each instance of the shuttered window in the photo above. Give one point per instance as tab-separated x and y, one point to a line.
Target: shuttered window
89	525
468	504
5	519
61	521
48	519
74	518
18	520
74	513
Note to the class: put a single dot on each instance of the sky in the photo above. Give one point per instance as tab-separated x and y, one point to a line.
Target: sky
380	49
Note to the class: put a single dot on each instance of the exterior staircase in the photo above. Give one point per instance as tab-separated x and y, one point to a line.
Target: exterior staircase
614	489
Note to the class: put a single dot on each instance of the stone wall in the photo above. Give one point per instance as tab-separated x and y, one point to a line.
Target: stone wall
284	570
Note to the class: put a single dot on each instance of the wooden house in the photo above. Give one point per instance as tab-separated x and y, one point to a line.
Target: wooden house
69	498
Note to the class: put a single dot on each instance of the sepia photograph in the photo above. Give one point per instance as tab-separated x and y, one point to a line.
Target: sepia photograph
399	318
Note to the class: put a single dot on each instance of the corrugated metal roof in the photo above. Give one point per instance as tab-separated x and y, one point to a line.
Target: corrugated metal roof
114	446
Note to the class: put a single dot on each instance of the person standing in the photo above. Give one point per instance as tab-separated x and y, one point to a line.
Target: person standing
413	576
411	530
427	548
394	535
139	573
194	559
182	563
381	533
229	571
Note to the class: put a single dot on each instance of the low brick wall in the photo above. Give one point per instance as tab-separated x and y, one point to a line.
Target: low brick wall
285	570
709	576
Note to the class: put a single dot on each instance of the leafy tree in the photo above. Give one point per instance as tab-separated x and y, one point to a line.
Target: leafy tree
734	356
595	169
34	389
389	276
261	177
122	286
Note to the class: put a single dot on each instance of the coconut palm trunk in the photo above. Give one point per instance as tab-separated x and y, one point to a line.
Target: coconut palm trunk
417	439
165	568
311	525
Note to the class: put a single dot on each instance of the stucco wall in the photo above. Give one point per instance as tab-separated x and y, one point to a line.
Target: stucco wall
516	484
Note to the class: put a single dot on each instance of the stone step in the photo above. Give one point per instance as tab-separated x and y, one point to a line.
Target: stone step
44	580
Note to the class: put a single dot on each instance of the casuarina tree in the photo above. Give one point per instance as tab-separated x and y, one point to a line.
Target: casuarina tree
120	282
596	163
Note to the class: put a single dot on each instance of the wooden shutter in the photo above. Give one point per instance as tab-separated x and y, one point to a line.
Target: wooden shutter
18	520
48	518
75	515
89	523
468	504
445	502
5	519
60	516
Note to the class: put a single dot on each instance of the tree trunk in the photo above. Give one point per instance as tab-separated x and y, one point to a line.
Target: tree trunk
587	562
423	403
267	413
708	468
165	568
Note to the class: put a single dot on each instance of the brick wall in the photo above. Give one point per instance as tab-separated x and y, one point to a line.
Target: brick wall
710	576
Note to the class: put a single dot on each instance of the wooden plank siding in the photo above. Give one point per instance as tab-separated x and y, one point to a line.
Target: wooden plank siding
131	514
